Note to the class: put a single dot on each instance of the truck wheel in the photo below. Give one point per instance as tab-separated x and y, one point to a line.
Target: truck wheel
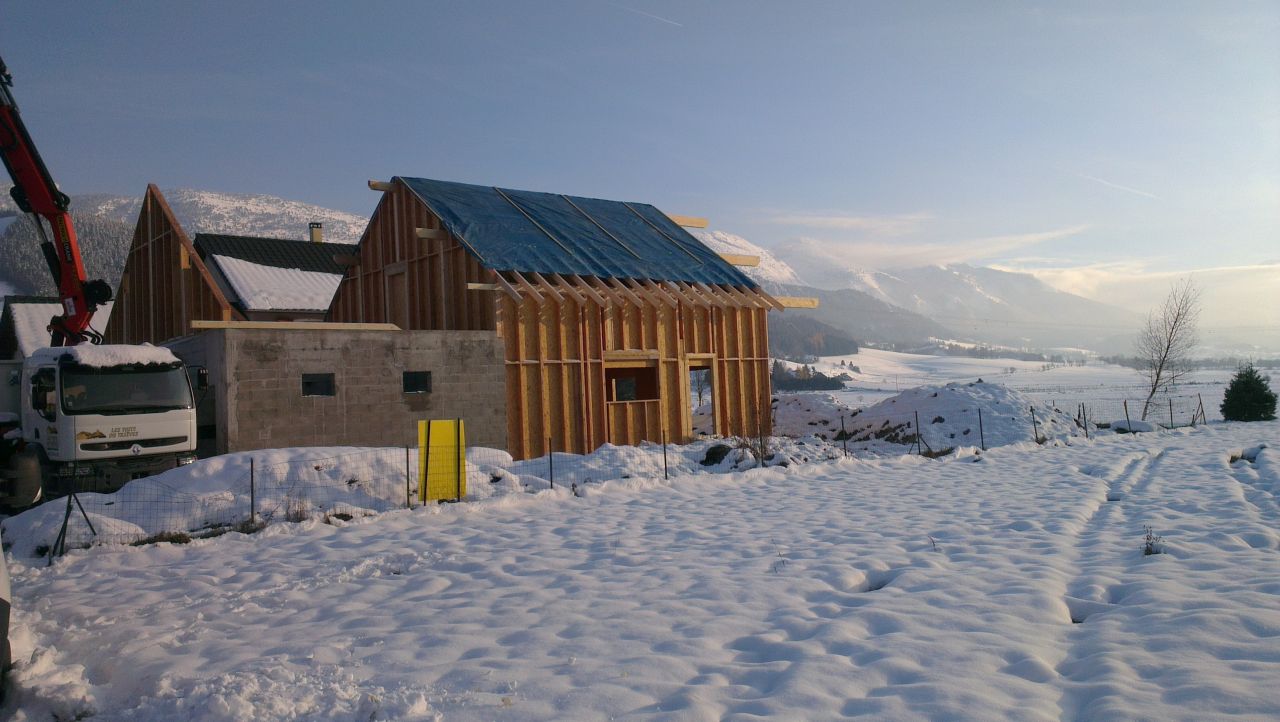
25	486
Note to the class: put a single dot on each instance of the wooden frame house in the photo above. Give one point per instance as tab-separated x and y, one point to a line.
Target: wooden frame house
603	307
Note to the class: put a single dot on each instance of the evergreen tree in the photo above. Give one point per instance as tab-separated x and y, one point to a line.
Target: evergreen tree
1249	397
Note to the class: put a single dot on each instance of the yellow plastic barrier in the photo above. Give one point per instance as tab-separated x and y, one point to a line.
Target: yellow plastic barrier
442	460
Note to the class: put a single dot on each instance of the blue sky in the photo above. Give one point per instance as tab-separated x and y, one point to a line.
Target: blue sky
1095	143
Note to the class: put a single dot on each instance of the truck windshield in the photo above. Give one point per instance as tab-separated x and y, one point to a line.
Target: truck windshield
124	389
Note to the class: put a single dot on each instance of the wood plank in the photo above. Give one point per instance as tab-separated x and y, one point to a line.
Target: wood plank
506	286
587	289
664	293
205	325
649	293
543	285
615	284
431	234
382	186
797	301
688	221
741	260
600	286
769	299
473	286
686	294
527	287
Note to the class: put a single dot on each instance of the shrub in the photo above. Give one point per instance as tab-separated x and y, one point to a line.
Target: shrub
1249	397
1152	544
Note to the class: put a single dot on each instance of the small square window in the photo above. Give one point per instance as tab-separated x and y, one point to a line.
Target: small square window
317	385
417	382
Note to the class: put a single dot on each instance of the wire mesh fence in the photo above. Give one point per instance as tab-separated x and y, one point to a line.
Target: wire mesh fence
933	428
338	487
341	487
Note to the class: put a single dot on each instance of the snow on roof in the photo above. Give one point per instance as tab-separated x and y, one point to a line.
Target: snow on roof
108	354
268	288
31	322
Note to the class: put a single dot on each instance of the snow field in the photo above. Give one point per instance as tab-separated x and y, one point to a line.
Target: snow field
899	588
1101	386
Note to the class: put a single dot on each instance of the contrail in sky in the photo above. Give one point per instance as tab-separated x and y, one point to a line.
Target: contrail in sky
648	15
1119	187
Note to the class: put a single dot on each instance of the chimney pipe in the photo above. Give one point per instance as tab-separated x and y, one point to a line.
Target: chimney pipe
316	232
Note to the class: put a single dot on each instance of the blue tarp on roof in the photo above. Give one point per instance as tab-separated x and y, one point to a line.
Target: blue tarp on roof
527	231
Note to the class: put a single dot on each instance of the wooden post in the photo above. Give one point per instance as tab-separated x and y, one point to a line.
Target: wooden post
1035	429
844	436
919	436
981	434
1170	412
1127	423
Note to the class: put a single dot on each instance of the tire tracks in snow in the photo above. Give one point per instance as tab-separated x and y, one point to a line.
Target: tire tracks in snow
1259	481
1105	539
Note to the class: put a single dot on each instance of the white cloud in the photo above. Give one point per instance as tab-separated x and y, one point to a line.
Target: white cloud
1117	186
822	258
888	225
1240	298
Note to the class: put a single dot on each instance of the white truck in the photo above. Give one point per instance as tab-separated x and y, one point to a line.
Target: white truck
92	418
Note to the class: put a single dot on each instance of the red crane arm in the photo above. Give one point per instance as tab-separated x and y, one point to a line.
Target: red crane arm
35	192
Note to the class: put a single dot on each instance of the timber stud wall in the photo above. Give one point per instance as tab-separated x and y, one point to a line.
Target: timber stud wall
561	334
165	285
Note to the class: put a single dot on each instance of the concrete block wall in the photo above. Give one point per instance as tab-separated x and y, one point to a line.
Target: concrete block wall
257	379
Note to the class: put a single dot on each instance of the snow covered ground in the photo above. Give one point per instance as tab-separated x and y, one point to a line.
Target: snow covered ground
1004	585
882	374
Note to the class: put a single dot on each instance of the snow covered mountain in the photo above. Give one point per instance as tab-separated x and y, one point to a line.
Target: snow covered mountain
999	307
232	213
105	223
771	274
844	315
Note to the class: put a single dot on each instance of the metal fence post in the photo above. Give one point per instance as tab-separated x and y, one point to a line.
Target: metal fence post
460	461
982	436
253	500
1170	412
551	464
665	473
1128	425
408	501
844	436
1035	428
919	434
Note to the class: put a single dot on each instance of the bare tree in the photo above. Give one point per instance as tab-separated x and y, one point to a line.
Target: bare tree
1165	343
701	383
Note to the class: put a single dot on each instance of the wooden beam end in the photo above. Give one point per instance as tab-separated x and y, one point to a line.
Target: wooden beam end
688	221
741	260
797	301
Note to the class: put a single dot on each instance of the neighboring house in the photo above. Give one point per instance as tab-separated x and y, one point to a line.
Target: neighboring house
274	279
603	308
24	323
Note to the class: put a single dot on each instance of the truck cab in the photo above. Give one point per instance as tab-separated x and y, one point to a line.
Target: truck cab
92	418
